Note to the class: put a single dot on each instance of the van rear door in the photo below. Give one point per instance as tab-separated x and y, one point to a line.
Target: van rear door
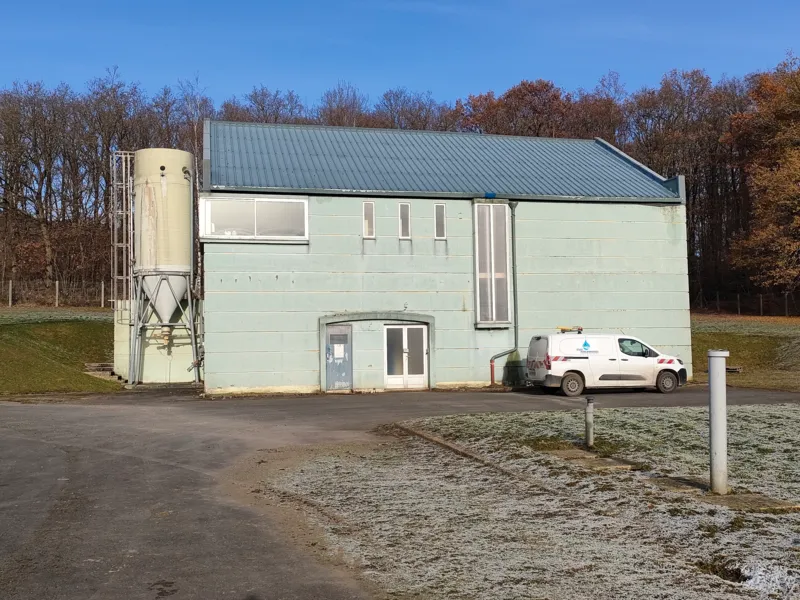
537	350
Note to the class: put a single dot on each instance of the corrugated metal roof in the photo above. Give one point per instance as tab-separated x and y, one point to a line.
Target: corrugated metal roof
310	158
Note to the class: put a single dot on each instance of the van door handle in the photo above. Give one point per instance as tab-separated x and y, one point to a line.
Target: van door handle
612	359
625	359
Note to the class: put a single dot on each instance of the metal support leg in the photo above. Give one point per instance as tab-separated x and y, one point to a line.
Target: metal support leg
143	305
192	332
136	331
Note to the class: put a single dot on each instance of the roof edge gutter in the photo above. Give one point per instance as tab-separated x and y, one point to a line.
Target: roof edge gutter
678	185
443	195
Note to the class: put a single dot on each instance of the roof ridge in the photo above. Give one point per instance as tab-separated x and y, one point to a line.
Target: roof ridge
393	130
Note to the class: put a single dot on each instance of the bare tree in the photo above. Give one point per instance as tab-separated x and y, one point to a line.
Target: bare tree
400	109
343	105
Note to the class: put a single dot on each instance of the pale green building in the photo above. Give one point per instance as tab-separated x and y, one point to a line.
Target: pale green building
364	259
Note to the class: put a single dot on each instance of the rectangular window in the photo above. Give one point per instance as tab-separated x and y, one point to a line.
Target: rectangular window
280	219
405	221
491	245
231	217
369	220
268	219
439	222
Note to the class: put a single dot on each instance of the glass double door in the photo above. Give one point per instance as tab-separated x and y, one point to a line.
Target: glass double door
406	350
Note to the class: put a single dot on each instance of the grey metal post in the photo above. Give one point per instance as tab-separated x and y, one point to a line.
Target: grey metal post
717	301
10	291
589	431
761	304
718	421
786	303
738	305
56	293
102	293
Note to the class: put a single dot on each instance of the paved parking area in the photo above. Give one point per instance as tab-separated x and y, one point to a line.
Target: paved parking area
120	497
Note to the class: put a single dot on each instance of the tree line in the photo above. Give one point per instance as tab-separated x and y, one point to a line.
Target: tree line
737	141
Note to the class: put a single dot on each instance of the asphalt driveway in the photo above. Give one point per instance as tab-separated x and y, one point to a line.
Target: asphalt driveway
119	496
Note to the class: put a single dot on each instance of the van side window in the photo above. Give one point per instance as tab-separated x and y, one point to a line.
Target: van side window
632	348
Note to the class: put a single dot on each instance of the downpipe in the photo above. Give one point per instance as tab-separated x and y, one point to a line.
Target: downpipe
513	207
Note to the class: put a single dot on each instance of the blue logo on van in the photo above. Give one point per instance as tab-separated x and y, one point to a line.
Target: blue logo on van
586	345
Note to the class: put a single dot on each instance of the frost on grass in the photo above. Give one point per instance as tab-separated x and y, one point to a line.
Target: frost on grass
763	441
426	523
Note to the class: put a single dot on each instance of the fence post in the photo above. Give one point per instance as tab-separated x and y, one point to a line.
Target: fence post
56	293
10	291
102	294
786	303
718	301
761	304
738	305
718	421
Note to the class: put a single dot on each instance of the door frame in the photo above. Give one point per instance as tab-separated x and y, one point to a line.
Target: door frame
397	316
405	378
328	348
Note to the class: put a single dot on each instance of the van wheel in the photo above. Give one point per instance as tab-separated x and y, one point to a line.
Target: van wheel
667	382
572	385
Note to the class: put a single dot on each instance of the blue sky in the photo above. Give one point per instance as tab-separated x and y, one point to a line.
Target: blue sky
448	47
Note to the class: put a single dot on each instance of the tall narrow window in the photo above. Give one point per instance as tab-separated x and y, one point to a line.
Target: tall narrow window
491	245
405	221
439	223
369	220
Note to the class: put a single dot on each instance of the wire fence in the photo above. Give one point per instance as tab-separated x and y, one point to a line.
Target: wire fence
38	292
786	304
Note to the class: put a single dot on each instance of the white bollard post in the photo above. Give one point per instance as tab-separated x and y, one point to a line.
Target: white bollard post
10	291
102	294
56	293
718	420
589	431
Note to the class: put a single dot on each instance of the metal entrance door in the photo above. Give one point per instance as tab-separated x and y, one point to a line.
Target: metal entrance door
406	356
339	357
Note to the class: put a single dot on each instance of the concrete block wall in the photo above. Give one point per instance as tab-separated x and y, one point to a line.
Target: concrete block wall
609	267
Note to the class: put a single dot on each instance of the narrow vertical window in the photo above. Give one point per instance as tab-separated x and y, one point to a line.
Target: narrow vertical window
439	222
491	262
405	221
369	220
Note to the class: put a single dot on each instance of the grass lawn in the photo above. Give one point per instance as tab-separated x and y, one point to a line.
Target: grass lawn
767	348
50	356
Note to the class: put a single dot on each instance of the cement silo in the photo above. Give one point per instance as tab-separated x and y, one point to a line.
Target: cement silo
163	246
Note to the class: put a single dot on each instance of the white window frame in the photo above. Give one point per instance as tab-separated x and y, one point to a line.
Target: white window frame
204	215
492	290
444	217
400	220
364	221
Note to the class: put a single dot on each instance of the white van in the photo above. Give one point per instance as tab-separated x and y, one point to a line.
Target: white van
573	361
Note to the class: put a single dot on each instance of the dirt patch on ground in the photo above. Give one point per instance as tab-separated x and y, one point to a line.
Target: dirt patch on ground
252	482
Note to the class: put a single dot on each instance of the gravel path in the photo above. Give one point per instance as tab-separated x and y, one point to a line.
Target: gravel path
426	523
